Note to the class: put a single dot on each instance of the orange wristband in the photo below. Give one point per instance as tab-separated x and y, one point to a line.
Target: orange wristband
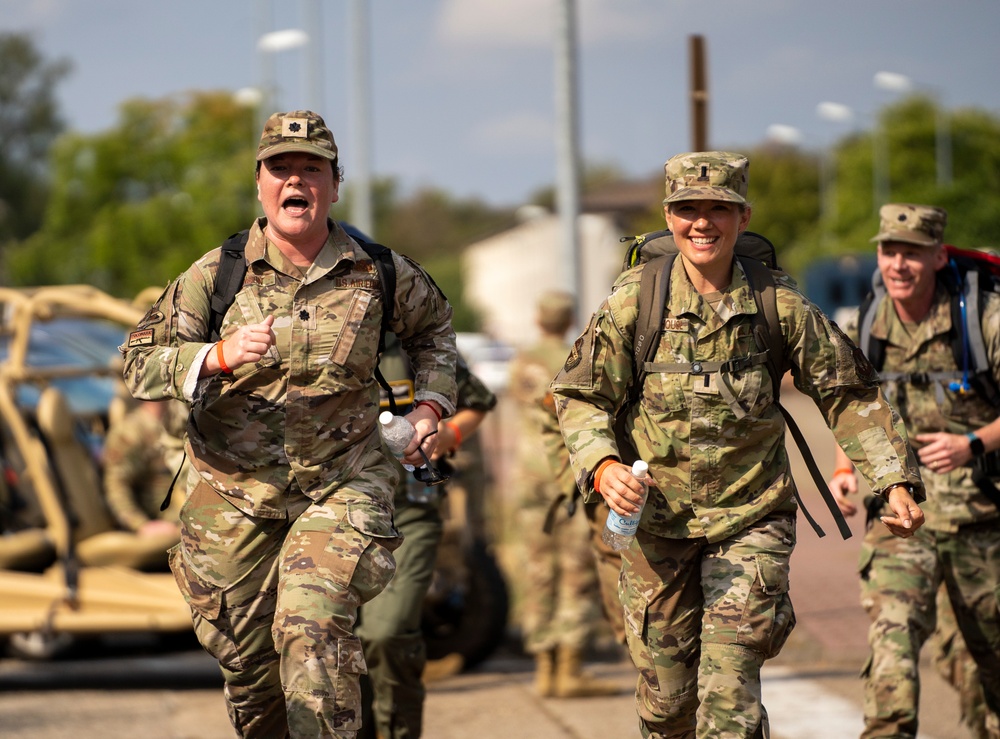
600	472
843	471
430	405
222	359
456	431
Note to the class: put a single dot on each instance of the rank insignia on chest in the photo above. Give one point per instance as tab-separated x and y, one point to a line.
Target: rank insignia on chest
675	324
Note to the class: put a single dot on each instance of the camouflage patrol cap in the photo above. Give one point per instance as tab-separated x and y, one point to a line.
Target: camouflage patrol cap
922	225
297	130
707	175
555	311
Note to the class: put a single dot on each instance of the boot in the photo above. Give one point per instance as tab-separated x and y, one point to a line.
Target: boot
438	669
571	680
545	668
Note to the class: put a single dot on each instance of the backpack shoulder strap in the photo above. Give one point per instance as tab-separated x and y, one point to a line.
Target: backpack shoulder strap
873	348
386	268
767	332
382	256
228	280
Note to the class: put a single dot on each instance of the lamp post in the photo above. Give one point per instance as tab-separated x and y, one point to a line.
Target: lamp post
834	113
268	45
881	178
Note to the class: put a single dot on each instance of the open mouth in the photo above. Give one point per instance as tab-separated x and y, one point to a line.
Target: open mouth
295	204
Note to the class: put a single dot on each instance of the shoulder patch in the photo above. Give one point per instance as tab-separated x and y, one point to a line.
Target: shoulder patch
153	316
575	355
140	338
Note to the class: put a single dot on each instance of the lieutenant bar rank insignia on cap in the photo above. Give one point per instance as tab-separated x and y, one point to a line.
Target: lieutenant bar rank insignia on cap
297	128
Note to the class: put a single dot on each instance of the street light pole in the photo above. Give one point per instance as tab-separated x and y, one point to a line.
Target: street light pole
835	113
361	186
567	149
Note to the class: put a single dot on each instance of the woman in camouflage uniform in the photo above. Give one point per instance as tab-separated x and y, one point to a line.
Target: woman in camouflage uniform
705	582
289	528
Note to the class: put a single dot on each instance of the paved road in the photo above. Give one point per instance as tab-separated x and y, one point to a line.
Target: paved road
179	697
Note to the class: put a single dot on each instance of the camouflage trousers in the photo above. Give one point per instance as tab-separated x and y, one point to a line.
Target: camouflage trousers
275	602
558	579
389	628
701	619
609	567
954	663
900	583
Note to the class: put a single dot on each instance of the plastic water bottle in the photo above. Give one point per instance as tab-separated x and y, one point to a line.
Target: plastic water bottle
397	432
620	530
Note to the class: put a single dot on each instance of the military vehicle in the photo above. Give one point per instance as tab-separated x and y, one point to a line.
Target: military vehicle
67	572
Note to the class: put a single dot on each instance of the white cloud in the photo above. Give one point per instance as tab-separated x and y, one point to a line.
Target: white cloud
532	23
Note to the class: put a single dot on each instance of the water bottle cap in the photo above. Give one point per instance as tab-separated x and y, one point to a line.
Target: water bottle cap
385	418
639	468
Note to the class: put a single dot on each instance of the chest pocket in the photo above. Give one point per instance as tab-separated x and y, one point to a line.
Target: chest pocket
356	346
741	382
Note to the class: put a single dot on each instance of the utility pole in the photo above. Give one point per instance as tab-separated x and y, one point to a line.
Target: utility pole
361	181
567	149
699	94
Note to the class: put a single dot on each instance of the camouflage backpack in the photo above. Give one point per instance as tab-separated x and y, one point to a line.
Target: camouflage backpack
756	254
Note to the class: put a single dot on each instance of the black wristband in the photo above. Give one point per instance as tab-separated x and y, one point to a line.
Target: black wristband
976	445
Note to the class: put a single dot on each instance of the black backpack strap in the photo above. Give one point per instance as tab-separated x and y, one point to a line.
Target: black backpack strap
228	280
654	289
386	268
767	332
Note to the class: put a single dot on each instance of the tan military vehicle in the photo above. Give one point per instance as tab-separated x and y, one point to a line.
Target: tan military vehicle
66	570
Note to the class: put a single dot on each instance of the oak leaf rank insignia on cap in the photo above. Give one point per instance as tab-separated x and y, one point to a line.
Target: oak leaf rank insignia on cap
295	128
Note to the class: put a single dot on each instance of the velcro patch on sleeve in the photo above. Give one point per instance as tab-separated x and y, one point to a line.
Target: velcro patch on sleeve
140	338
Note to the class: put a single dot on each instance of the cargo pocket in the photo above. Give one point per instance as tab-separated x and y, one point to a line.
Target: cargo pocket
347	694
208	613
635	608
768	618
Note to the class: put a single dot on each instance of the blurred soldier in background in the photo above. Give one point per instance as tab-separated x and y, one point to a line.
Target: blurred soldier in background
142	457
561	606
951	428
393	691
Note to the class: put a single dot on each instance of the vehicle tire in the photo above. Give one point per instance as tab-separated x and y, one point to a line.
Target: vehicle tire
468	618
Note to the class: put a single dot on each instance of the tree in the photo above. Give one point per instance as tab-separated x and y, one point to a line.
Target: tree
30	122
135	205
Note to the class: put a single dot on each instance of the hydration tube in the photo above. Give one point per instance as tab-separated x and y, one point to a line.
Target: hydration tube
963	386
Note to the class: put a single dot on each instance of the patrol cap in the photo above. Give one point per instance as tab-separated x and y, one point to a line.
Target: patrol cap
555	311
922	225
297	130
707	175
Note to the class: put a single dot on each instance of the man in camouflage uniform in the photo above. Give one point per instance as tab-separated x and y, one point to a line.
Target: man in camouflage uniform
143	453
559	586
900	579
389	627
705	582
288	529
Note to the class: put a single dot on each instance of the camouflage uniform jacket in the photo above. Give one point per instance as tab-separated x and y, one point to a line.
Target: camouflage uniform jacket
307	411
953	499
531	372
720	465
141	457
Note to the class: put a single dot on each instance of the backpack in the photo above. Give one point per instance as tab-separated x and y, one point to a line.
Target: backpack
756	254
233	268
968	275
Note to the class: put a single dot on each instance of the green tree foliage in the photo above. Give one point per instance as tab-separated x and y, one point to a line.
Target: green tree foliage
135	205
30	122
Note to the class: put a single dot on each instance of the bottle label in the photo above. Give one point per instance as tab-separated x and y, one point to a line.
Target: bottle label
624	525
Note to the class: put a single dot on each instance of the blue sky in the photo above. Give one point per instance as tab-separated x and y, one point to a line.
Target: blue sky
463	90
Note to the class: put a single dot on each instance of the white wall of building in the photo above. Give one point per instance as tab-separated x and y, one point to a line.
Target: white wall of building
505	275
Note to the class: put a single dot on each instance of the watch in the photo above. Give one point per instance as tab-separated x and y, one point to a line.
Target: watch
975	445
